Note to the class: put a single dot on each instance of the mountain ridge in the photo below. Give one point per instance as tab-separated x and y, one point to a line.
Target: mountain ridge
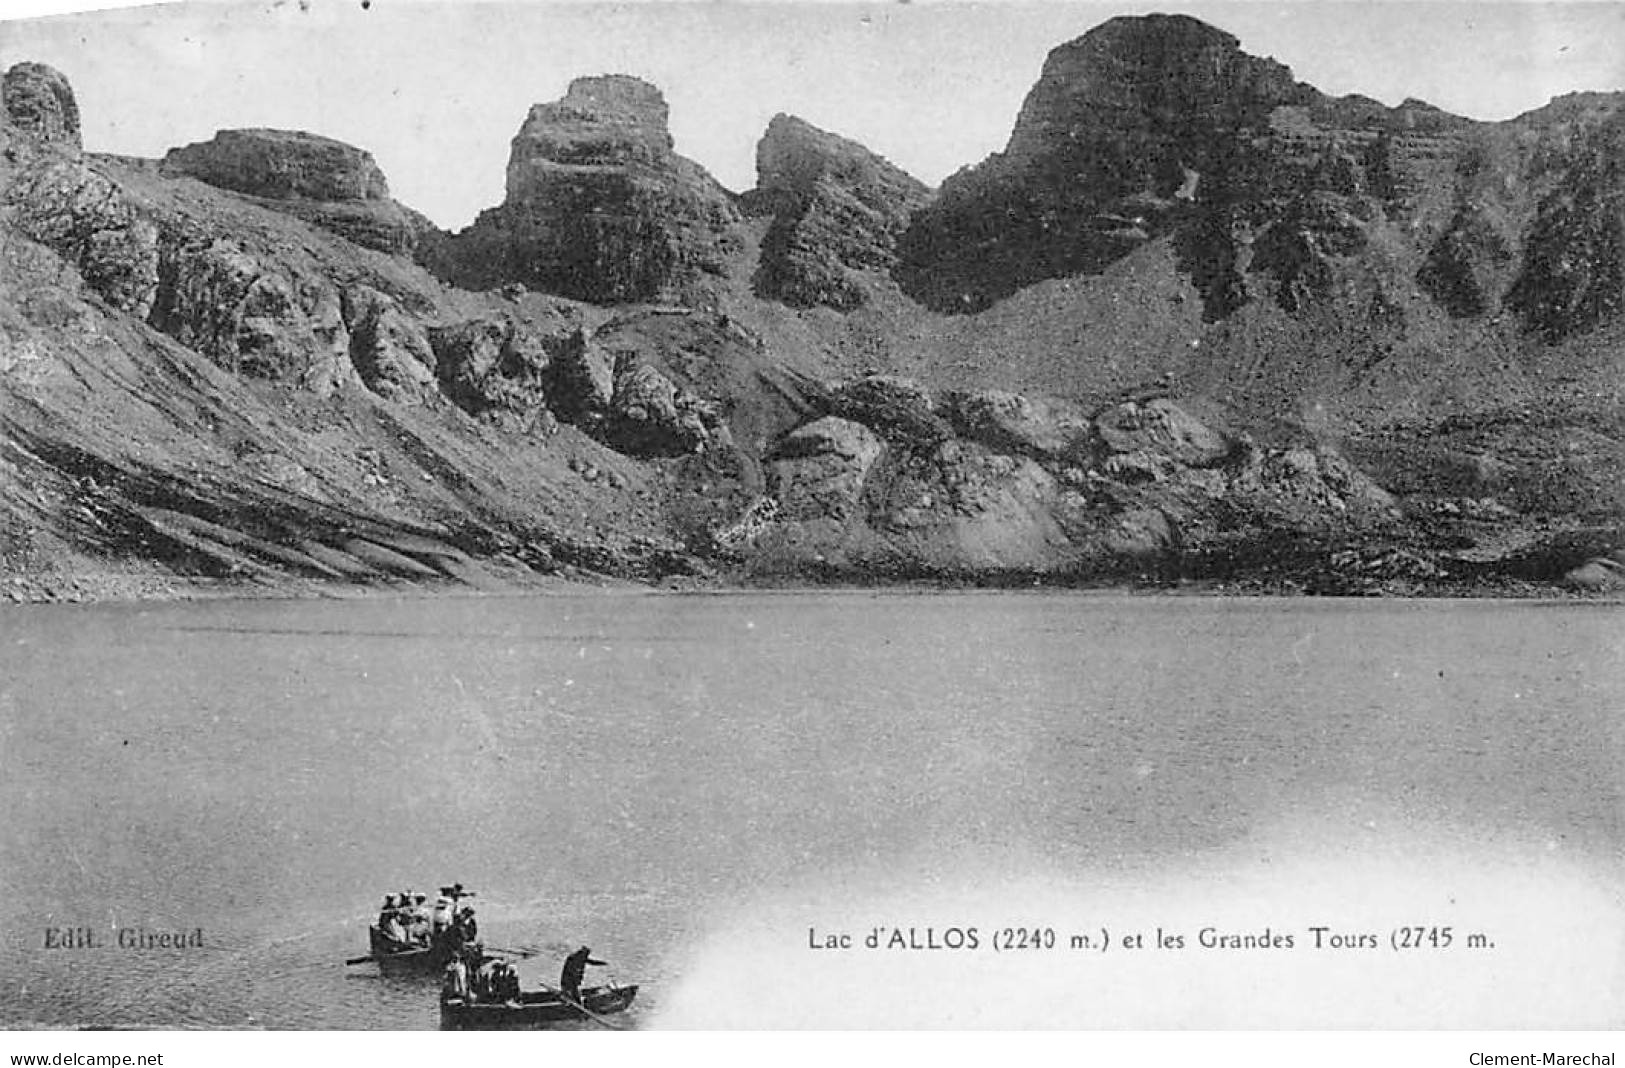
1396	331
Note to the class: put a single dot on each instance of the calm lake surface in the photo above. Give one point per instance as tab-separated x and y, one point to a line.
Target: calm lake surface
702	787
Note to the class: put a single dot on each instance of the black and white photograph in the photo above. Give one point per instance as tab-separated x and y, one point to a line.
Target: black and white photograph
790	516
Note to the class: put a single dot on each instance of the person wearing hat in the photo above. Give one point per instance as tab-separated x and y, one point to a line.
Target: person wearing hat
575	966
445	907
387	911
418	919
392	929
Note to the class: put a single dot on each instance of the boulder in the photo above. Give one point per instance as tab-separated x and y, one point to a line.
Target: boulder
1597	575
581	382
817	471
1139	534
1161	427
495	368
898	409
1041	427
1309	487
651	416
39	101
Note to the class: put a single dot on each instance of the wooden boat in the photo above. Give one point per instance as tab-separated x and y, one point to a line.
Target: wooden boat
403	957
534	1009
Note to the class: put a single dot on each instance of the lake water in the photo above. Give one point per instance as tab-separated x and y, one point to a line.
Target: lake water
706	787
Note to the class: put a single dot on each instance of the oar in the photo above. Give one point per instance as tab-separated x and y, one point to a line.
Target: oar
522	954
360	960
573	1003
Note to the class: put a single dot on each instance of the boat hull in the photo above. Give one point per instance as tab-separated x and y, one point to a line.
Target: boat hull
421	960
534	1010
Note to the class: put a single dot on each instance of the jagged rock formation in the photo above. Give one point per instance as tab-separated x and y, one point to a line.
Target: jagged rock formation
1323	344
334	185
1155	125
598	206
837	210
1126	126
39	102
497	368
1573	270
1273	191
389	350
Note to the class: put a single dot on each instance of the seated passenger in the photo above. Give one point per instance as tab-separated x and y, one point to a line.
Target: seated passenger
485	981
418	920
392	929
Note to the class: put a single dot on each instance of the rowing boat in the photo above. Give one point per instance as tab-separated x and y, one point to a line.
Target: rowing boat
407	957
532	1009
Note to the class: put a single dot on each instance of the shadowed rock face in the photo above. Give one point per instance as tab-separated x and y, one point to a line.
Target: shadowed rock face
1120	127
39	101
1573	271
837	211
598	206
1163	125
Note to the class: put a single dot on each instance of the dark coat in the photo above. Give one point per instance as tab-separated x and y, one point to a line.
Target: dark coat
575	966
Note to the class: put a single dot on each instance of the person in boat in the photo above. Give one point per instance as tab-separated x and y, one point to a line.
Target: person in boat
451	938
456	984
575	967
487	984
465	920
445	911
391	928
419	920
504	983
385	913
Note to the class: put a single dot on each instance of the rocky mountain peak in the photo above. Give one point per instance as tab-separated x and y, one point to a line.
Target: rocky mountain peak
1156	77
598	205
793	153
280	164
39	100
837	211
335	185
610	120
